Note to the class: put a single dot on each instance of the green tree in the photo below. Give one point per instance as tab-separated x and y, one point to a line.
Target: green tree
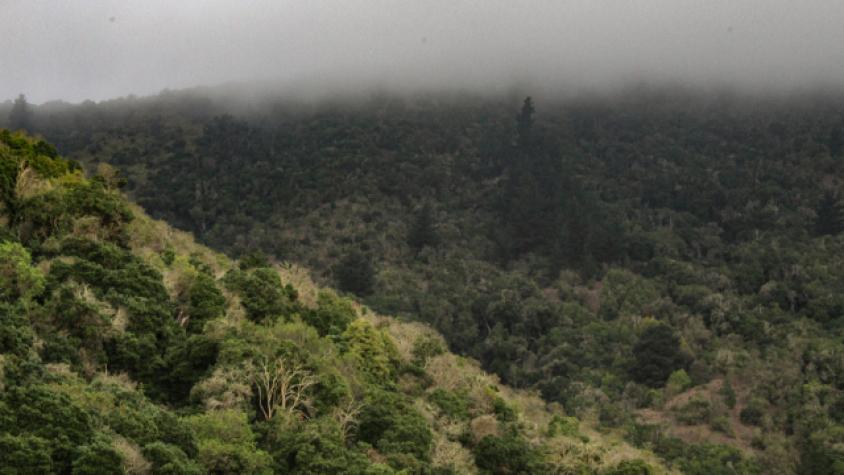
226	444
656	355
168	459
18	279
509	453
332	315
205	302
98	458
24	454
261	292
372	351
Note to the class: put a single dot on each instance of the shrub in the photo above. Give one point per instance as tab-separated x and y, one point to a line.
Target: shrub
18	279
390	423
678	382
332	315
168	459
631	467
226	443
25	451
567	426
508	453
426	347
98	458
261	293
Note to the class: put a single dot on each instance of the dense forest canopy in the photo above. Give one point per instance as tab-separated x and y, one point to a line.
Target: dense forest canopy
663	262
126	348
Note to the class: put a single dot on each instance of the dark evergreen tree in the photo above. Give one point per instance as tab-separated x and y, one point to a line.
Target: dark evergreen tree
656	355
524	123
830	216
836	141
21	115
422	232
355	274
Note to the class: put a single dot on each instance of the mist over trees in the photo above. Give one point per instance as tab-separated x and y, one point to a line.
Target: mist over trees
443	238
20	117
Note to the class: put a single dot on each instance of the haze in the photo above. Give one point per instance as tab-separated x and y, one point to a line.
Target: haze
77	50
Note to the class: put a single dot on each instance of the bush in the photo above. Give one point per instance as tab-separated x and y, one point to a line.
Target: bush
678	382
332	315
452	404
168	459
18	279
98	458
262	294
226	443
503	412
373	352
205	302
16	335
566	426
631	467
508	454
25	451
390	423
424	348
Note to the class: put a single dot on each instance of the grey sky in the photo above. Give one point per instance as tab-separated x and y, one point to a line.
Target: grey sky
97	49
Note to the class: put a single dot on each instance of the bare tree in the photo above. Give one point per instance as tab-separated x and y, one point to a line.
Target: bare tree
281	386
346	416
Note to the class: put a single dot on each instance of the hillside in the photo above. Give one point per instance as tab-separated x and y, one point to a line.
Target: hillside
125	347
666	264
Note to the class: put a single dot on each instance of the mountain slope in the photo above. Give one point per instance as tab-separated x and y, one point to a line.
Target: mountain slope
127	348
665	263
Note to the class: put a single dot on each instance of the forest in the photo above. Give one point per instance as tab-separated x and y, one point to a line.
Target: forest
663	267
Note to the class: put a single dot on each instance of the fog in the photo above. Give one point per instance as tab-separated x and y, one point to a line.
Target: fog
99	49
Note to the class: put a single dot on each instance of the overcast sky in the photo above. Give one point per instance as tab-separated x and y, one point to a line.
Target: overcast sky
99	49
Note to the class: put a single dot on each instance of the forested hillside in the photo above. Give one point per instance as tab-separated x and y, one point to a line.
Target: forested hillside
127	348
665	264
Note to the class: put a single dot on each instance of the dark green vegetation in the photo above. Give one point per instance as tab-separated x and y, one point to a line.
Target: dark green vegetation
625	256
127	348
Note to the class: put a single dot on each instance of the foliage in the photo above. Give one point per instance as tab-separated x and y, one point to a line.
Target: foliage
678	382
332	315
355	273
452	404
657	354
508	453
372	352
830	216
262	294
122	352
226	443
18	279
563	237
